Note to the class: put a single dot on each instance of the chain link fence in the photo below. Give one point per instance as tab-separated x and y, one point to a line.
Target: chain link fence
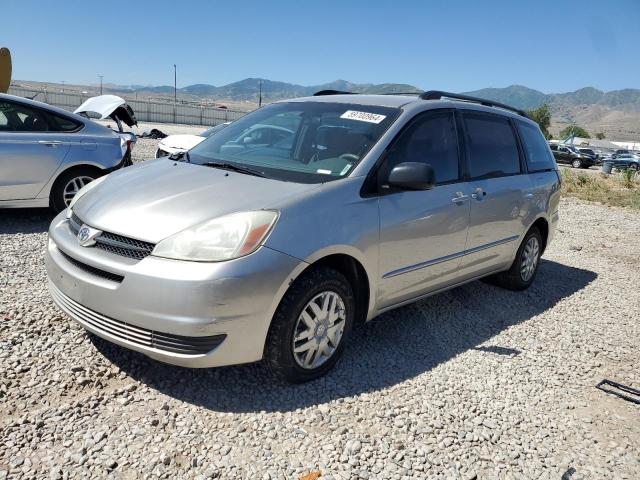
145	110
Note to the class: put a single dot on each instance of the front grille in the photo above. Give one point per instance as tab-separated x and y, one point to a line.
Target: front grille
124	246
114	243
93	270
132	334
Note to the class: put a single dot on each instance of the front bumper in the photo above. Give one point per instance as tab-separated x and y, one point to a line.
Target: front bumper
167	309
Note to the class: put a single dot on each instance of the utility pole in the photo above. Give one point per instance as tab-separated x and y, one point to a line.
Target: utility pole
260	94
175	91
63	86
100	83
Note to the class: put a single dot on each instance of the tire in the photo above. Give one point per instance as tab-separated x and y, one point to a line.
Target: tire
62	190
576	163
514	278
634	166
316	284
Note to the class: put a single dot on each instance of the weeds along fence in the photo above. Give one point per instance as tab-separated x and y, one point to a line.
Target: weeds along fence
145	110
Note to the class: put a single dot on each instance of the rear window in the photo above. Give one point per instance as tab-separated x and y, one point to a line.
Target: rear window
62	124
535	148
493	150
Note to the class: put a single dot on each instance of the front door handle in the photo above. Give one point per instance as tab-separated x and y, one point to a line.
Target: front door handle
459	198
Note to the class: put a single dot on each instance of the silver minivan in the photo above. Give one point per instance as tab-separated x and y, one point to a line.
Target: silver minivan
274	249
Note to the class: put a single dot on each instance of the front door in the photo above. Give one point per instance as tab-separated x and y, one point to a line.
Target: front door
422	233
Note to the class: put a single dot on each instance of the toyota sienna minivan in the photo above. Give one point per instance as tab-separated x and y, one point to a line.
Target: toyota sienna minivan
273	247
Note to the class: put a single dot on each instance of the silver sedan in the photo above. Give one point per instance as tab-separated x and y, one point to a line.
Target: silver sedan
48	154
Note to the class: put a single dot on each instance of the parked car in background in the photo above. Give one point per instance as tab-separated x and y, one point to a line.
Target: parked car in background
48	154
570	155
626	160
175	144
588	152
275	248
620	151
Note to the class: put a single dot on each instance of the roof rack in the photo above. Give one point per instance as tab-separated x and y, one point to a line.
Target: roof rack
401	93
437	95
322	93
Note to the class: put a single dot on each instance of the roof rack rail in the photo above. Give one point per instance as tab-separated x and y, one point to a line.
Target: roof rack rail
321	93
437	95
401	93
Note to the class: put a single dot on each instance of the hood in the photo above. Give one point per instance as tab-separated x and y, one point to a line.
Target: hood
108	106
181	142
155	199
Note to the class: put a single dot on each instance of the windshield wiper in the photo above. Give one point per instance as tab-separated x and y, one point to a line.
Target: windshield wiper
235	168
181	156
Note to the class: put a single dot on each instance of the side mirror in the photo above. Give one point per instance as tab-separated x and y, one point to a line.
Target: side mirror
412	176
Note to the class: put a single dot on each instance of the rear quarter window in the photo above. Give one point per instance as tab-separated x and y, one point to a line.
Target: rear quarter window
59	123
535	148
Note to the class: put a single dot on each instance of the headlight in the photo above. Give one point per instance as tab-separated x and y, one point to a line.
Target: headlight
82	191
223	238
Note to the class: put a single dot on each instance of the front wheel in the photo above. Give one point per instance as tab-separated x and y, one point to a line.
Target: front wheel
311	325
525	266
576	163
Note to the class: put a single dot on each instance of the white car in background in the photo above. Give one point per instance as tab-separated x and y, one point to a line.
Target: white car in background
181	143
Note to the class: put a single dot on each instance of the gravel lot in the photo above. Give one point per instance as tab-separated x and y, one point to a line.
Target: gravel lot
477	382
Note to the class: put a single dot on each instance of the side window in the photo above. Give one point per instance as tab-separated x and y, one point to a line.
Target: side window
554	148
62	124
431	139
535	147
20	118
492	146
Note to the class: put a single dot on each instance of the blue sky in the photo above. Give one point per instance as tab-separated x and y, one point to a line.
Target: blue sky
553	46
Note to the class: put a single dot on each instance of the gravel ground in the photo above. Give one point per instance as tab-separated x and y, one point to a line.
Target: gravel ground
477	382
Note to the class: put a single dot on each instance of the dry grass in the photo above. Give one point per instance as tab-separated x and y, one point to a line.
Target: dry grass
619	190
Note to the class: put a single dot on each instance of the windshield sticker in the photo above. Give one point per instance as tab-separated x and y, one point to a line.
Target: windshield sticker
363	116
324	172
345	170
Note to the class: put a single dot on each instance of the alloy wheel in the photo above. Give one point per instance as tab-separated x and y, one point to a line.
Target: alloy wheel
319	330
72	187
530	257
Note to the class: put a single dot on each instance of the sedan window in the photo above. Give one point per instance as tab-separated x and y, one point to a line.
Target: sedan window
22	119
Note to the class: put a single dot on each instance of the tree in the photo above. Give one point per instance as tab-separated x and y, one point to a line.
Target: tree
542	116
575	131
600	136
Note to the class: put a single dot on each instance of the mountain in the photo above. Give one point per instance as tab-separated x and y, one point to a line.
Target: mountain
528	99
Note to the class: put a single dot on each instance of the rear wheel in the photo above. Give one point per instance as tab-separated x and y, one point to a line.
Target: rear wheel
311	325
576	163
525	266
68	184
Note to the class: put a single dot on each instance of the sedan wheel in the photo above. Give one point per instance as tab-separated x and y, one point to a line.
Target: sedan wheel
319	330
73	186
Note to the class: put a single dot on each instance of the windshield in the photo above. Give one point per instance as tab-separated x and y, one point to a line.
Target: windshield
212	130
305	142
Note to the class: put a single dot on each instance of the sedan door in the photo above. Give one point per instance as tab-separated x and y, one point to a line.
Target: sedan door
501	192
422	233
30	152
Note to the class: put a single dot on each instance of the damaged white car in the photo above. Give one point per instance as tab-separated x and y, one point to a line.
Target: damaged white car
115	108
176	144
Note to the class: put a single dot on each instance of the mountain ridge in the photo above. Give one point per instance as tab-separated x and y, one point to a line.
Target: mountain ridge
516	95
